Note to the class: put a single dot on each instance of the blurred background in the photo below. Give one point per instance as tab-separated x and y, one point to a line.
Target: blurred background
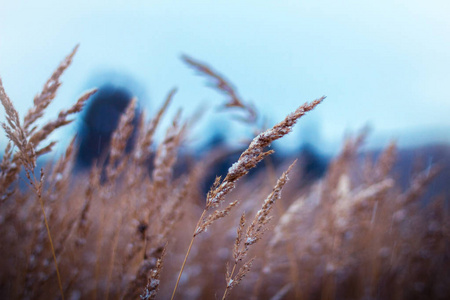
380	63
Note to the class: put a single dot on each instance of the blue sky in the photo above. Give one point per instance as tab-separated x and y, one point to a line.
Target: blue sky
380	63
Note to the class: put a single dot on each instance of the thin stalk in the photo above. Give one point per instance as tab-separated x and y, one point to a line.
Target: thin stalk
231	277
38	189
187	255
113	256
53	248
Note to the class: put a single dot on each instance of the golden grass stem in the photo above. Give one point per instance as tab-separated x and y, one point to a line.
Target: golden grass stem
182	267
51	243
231	277
187	255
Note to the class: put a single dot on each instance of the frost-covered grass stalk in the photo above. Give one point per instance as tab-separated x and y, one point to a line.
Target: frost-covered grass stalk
248	160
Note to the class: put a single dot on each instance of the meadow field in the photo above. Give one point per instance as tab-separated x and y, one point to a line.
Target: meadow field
134	226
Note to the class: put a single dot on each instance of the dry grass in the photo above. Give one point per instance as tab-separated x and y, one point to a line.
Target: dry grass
121	230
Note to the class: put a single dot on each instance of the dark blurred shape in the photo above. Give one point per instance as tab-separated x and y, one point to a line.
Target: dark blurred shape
218	157
313	164
99	121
